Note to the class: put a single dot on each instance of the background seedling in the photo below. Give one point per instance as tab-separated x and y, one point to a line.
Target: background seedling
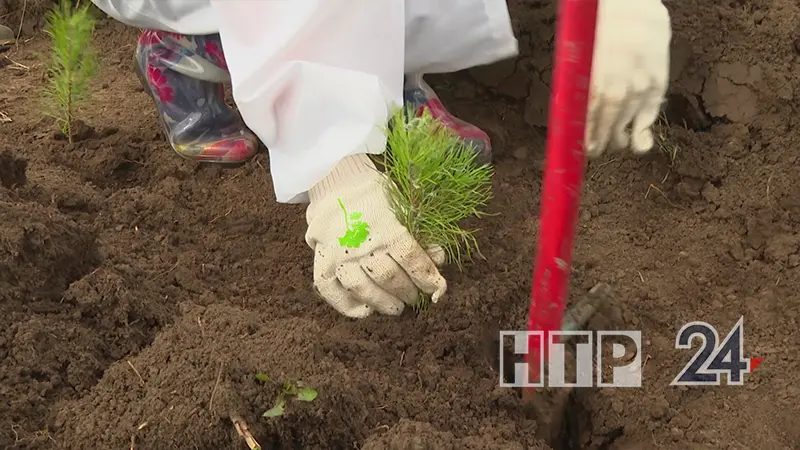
434	184
72	64
288	392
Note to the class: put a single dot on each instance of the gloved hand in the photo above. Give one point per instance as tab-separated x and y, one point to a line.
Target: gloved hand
630	74
364	259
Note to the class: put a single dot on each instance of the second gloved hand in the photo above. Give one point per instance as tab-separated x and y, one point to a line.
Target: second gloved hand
364	259
630	74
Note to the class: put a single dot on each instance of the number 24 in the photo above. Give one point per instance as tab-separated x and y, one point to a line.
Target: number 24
712	359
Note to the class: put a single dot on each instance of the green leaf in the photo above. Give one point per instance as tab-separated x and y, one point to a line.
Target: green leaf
276	410
356	235
306	394
262	377
357	230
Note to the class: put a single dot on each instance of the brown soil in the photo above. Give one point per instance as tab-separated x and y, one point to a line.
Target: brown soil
141	293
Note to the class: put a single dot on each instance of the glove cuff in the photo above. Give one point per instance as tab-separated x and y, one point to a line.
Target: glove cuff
348	168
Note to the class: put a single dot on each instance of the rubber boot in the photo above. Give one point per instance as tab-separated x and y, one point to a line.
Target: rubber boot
418	94
184	75
6	35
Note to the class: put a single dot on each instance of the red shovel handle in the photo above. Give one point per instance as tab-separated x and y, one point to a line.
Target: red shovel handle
564	169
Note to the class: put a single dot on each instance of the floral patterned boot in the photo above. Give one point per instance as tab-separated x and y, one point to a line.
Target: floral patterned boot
184	75
419	95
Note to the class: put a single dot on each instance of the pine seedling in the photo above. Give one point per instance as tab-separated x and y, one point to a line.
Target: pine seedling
73	62
434	184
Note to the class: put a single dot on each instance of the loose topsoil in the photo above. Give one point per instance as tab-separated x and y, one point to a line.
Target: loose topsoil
140	294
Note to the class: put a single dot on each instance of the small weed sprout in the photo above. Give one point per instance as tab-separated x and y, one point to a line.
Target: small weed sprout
434	183
288	392
73	62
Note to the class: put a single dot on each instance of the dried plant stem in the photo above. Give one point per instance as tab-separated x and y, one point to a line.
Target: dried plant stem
241	428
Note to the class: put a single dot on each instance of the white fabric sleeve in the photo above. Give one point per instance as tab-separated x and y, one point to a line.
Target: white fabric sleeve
450	35
315	80
177	16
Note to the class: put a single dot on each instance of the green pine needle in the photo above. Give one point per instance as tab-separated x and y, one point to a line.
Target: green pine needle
73	62
435	184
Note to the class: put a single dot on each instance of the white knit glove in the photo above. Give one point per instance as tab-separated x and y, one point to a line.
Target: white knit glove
630	74
364	259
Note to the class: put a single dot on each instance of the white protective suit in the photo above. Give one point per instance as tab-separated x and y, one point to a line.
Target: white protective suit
313	79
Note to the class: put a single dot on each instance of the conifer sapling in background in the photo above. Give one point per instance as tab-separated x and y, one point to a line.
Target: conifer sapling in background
72	63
